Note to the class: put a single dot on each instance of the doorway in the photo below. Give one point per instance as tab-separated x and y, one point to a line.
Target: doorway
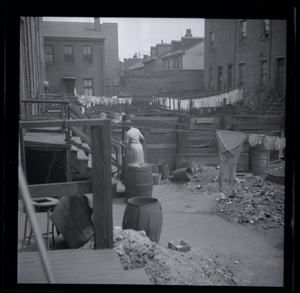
70	85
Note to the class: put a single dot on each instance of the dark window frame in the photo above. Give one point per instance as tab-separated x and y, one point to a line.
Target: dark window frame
263	77
242	31
69	56
47	54
88	87
265	33
241	77
87	56
211	38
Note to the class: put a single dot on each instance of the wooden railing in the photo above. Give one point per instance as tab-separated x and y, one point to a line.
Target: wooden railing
100	185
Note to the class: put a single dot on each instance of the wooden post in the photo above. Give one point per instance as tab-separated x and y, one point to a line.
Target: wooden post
102	189
183	137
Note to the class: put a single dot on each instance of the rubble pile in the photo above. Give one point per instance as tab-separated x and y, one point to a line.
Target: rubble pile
165	266
256	202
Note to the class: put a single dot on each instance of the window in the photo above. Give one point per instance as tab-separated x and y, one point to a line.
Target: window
229	77
88	86
168	64
49	54
243	30
165	65
174	63
87	55
265	28
211	38
241	74
179	63
220	78
210	85
264	71
68	54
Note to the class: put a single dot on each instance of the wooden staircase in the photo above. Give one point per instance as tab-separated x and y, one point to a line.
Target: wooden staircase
264	103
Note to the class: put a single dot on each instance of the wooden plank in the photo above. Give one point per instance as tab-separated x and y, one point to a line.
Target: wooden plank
183	137
62	123
60	189
45	101
82	135
212	159
80	266
162	146
102	189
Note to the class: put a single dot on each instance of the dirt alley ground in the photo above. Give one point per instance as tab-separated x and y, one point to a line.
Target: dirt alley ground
253	252
241	233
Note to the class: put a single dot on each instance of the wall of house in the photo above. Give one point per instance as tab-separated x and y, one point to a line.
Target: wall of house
194	57
57	70
151	84
32	63
227	50
110	32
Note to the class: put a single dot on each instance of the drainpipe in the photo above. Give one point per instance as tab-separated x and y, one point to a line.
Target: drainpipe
234	55
270	51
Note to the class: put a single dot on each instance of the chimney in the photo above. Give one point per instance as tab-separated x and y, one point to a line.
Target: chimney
97	23
162	41
188	33
145	57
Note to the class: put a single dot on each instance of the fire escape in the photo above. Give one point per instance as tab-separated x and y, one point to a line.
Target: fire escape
266	102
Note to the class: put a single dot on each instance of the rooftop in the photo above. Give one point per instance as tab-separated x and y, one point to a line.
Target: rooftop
72	30
181	51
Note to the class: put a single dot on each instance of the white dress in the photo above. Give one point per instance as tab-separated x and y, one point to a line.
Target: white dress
135	152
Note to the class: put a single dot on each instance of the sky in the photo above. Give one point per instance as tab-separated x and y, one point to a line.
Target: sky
137	35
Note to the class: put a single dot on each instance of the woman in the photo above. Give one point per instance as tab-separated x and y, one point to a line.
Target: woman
133	138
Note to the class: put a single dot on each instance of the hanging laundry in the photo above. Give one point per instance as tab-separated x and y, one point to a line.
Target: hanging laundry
279	143
253	139
269	142
260	138
230	145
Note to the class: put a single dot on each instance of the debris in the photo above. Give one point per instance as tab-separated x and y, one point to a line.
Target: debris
165	266
256	203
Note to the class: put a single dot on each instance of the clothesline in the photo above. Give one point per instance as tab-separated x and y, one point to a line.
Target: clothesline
88	101
270	142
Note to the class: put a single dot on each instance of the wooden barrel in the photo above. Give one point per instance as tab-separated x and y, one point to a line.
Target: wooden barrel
183	174
259	159
138	180
164	170
144	213
73	220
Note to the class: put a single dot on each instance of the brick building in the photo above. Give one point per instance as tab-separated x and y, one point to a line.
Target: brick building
248	53
173	70
185	54
32	63
81	55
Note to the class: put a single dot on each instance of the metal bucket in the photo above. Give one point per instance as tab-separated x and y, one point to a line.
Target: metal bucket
164	170
156	178
183	174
